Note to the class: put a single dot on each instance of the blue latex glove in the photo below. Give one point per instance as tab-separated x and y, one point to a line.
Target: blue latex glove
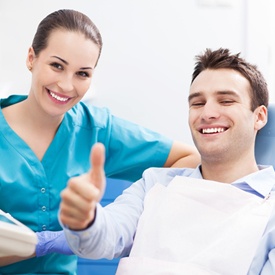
52	242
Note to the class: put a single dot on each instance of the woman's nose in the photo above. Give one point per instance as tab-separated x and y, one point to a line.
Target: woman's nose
66	83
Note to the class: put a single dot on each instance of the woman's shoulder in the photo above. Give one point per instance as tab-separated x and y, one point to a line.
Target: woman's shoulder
87	115
12	99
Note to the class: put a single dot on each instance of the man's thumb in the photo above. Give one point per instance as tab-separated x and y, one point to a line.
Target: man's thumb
97	174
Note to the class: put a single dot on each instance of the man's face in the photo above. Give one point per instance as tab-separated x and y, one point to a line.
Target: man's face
221	121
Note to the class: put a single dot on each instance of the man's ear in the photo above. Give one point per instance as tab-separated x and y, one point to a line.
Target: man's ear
261	116
30	58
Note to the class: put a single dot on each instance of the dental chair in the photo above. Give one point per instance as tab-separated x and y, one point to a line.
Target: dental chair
265	140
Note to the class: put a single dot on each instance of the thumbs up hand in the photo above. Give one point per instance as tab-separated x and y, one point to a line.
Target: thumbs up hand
79	198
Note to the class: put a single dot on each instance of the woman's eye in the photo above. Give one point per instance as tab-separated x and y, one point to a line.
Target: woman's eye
57	66
83	74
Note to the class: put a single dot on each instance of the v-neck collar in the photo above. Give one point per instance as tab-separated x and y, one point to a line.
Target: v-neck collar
21	146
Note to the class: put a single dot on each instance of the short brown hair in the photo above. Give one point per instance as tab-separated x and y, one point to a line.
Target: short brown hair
223	59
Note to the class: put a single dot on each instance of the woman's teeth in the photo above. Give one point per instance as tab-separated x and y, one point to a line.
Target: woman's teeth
59	98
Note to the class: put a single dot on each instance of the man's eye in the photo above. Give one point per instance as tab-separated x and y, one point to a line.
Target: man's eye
56	65
227	102
197	104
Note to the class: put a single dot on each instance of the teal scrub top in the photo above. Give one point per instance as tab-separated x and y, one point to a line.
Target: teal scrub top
30	188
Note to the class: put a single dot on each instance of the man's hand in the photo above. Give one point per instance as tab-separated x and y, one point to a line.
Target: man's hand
79	198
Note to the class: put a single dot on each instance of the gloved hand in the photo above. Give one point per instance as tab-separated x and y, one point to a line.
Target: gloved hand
52	242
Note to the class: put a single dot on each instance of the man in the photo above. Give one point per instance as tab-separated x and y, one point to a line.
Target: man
215	219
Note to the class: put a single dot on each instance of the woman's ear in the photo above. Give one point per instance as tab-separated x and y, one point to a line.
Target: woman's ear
30	58
261	116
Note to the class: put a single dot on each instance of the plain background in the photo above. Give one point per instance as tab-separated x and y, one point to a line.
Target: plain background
148	54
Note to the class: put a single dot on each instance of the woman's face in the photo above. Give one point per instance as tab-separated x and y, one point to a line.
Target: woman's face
62	72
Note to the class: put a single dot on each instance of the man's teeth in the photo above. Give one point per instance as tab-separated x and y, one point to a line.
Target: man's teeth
58	97
212	130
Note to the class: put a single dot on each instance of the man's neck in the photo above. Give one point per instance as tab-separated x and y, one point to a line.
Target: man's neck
228	172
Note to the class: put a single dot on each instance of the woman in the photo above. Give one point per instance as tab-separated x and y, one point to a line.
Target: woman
46	136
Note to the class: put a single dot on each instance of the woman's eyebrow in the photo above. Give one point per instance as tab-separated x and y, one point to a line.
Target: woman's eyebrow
67	63
86	68
61	59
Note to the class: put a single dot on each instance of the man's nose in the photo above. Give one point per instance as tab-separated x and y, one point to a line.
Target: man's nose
210	111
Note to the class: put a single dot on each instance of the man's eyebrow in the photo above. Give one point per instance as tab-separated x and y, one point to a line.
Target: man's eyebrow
67	63
197	94
225	92
228	92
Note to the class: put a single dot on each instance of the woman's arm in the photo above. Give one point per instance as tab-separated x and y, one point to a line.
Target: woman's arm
182	155
48	242
7	260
